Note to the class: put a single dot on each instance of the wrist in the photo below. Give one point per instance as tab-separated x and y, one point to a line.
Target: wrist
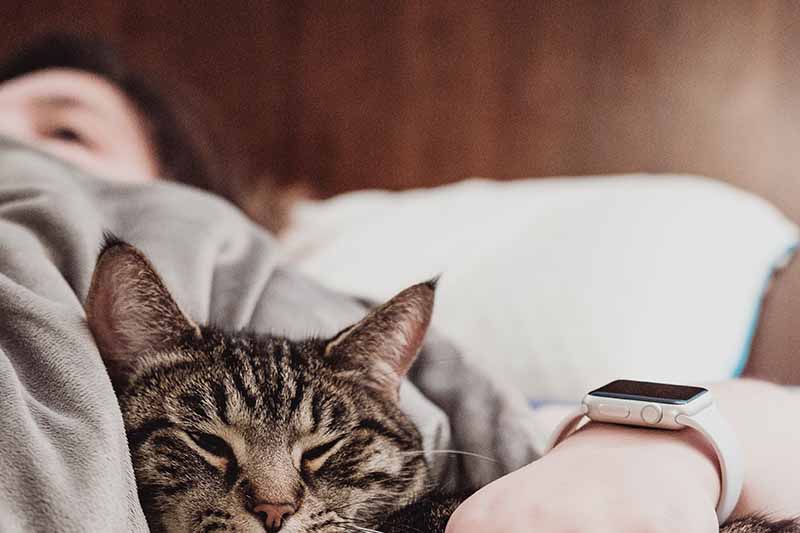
682	458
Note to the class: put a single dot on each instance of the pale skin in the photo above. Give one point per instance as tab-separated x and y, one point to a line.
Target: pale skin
604	478
81	118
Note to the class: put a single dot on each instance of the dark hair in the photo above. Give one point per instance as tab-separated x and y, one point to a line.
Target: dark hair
189	150
186	151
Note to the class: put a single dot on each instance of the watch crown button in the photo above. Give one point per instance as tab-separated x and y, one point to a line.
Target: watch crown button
651	414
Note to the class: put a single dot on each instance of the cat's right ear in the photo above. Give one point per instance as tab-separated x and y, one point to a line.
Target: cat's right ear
130	311
381	348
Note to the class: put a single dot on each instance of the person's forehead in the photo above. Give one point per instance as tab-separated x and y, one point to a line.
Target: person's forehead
61	87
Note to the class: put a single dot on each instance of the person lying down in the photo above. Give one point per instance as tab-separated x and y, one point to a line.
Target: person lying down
160	370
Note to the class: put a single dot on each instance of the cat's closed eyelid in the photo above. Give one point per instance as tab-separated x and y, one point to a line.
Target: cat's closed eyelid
312	459
211	443
318	451
214	449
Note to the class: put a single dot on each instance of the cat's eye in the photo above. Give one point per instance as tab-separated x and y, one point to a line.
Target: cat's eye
313	456
212	444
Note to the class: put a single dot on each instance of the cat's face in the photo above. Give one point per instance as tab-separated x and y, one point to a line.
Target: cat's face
240	432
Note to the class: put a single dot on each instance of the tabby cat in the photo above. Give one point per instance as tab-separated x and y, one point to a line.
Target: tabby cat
253	433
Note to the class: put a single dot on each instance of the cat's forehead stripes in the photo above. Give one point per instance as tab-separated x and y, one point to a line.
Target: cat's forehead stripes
196	406
239	380
221	401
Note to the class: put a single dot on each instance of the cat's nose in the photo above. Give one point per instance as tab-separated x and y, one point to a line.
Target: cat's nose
274	513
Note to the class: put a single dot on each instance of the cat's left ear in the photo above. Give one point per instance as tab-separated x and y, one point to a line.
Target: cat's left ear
381	347
130	312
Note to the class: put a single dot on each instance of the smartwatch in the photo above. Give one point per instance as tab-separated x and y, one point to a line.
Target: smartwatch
670	407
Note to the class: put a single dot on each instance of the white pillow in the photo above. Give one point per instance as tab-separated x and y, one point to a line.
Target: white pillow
560	285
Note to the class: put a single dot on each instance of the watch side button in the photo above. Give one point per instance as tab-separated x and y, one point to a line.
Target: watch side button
616	411
651	414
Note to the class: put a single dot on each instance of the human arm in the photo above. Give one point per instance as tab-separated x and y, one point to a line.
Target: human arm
618	478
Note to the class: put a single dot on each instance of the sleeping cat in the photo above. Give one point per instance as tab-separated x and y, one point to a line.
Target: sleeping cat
253	433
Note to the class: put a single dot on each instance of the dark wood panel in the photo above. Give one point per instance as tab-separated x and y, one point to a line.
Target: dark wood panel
418	94
235	58
399	94
354	94
21	20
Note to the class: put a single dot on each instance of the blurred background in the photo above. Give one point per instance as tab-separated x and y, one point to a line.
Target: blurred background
349	95
320	98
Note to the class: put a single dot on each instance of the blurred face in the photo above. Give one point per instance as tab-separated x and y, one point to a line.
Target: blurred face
79	117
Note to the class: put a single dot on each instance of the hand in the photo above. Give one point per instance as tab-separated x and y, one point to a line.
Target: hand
603	479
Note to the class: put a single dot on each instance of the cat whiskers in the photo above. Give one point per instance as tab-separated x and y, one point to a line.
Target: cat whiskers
369	499
359	528
351	527
346	524
454	452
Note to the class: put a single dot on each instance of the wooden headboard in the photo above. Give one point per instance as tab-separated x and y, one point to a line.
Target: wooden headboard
407	94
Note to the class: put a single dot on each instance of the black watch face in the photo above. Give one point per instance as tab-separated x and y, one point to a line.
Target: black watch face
644	391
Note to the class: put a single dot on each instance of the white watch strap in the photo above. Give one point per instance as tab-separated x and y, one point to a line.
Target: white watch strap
719	433
566	427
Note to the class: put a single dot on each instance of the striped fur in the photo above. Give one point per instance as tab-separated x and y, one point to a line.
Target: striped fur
218	422
270	400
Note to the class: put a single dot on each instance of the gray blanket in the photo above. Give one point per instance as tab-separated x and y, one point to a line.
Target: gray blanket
64	462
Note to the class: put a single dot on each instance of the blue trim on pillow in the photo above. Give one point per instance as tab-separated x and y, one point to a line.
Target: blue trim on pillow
751	332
